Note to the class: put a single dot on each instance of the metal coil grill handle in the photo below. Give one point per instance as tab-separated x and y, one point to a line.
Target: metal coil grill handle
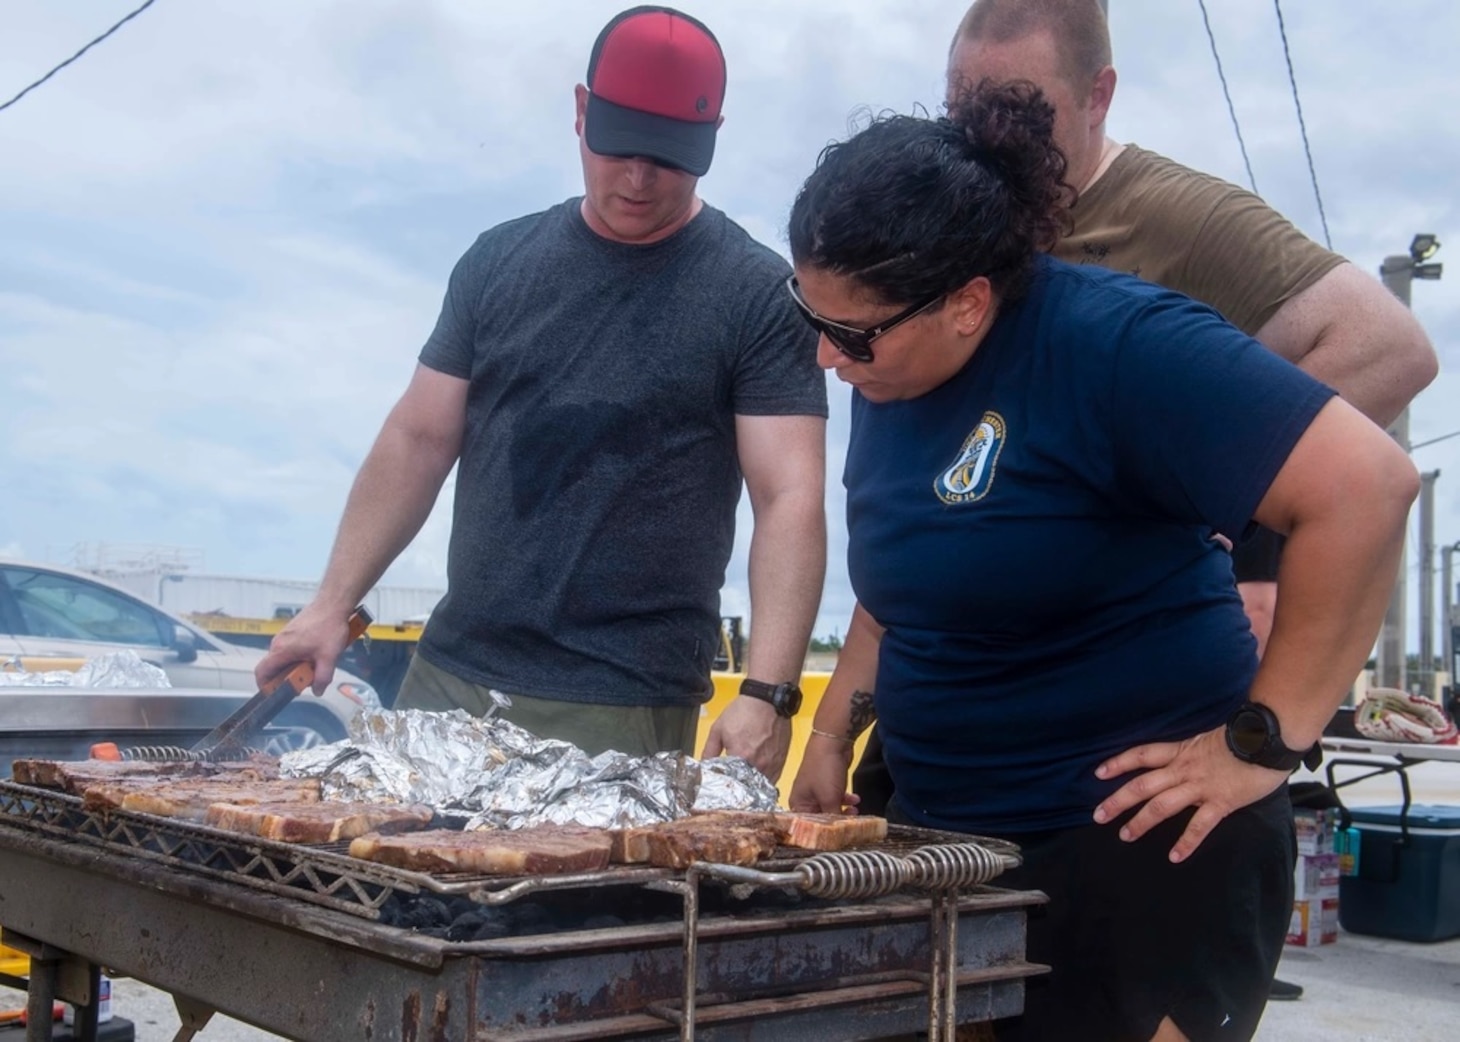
167	754
853	874
953	866
157	754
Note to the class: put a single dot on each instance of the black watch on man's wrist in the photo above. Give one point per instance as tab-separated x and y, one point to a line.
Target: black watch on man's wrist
785	698
1255	736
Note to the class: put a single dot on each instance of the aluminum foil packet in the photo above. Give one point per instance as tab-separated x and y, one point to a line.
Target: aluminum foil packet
495	774
730	783
611	790
412	756
117	669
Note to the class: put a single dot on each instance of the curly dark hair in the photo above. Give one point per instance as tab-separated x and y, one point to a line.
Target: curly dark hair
912	208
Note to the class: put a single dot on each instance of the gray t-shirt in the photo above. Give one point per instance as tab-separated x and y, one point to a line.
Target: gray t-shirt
596	492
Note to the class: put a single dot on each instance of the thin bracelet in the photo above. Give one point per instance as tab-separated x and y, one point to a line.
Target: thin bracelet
835	737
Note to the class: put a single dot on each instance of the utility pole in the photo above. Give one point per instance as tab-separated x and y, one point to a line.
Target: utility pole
1427	581
1398	271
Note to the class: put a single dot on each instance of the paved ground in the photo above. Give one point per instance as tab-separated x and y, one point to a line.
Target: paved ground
1361	989
1367	989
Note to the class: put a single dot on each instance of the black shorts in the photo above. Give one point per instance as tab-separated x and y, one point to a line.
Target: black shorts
1133	939
1255	559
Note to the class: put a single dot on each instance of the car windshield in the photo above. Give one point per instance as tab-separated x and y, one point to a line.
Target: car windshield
58	606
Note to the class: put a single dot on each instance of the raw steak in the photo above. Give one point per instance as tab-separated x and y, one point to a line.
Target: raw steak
324	822
544	850
833	831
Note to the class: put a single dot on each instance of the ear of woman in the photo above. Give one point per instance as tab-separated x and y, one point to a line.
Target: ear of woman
973	306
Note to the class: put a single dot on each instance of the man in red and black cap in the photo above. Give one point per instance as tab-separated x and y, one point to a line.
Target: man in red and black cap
604	374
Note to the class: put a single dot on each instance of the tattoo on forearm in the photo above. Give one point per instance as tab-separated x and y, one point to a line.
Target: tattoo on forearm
862	715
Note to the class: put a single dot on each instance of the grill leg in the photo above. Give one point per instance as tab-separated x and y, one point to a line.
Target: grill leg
88	1017
194	1017
41	999
943	980
691	957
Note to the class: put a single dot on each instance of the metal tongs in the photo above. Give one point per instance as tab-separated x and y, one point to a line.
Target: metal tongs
257	713
233	734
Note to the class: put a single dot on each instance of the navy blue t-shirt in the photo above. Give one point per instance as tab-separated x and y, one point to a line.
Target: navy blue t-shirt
1035	535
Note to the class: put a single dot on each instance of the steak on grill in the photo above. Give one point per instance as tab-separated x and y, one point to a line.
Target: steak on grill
544	850
740	837
190	799
679	844
323	822
631	846
75	776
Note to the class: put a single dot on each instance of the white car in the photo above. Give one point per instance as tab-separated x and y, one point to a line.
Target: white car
52	617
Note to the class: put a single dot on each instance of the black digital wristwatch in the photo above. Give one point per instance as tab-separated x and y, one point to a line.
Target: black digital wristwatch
1255	735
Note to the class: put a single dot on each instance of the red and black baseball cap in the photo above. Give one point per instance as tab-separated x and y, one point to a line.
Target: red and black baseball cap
656	82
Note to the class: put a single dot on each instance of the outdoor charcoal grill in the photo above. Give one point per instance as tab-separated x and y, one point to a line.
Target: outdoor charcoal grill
300	941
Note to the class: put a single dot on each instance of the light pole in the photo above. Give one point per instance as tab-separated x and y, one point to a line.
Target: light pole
1427	581
1398	271
1449	621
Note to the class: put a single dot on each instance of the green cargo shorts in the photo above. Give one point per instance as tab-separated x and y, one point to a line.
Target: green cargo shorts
636	730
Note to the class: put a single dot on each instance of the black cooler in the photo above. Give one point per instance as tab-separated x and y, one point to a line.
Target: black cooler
1408	883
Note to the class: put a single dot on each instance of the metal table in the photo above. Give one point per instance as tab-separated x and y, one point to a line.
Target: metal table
1377	759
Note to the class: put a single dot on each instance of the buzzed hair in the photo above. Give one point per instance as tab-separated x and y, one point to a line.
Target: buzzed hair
1079	29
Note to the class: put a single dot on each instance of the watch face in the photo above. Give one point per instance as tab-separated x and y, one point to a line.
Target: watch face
1249	732
792	695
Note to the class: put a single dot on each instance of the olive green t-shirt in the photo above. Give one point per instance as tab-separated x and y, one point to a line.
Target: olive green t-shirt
1196	234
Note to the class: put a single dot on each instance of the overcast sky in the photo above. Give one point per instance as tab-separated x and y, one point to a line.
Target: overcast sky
225	232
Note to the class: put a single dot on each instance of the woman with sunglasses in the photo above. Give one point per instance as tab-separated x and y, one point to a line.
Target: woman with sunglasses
1040	455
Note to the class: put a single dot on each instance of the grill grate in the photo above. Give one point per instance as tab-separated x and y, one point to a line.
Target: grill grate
327	875
309	873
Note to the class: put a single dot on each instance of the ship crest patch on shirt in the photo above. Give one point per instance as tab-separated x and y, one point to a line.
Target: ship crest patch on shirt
972	473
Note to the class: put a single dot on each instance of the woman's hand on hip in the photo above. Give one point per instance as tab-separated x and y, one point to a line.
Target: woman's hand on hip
1200	772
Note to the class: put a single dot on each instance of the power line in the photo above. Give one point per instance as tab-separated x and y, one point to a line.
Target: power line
1293	79
1228	95
78	54
1442	437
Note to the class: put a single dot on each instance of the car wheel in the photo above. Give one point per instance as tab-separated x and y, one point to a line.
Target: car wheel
301	727
292	739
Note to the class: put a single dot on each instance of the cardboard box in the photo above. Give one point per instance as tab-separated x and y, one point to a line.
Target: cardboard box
1314	922
1315	829
1316	875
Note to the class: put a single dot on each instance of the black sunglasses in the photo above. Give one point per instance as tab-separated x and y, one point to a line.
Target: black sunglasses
855	343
